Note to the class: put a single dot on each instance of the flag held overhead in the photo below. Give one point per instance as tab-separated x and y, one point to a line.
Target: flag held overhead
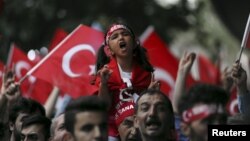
70	64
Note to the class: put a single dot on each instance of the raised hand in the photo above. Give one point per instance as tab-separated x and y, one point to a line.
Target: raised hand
104	73
226	79
185	66
9	89
186	62
239	75
154	84
104	93
7	78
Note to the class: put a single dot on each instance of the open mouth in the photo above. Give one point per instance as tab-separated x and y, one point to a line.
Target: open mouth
122	44
154	124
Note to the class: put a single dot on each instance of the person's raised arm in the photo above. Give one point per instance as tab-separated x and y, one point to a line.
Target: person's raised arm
240	78
10	91
154	84
227	80
51	101
104	93
184	68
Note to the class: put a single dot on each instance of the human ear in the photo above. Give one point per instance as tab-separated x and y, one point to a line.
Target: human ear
11	126
110	51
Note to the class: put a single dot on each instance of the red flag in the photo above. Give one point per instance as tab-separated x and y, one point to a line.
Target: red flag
31	87
232	105
1	72
208	72
164	62
70	64
18	58
59	35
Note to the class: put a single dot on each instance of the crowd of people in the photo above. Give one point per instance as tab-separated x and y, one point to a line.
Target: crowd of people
129	104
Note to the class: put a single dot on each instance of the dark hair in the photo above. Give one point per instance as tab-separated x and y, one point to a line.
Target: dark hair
203	93
82	104
4	134
38	119
25	105
140	53
155	92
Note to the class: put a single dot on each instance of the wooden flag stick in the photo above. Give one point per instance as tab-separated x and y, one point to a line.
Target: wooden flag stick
245	38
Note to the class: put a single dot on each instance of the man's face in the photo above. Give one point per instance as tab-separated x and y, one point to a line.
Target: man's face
153	117
33	133
91	126
198	128
59	130
127	130
16	127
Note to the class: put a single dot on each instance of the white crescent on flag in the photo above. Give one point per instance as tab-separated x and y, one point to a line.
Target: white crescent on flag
68	56
68	64
233	105
20	65
161	74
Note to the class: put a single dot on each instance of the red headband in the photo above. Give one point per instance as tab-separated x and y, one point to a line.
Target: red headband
200	112
123	110
114	28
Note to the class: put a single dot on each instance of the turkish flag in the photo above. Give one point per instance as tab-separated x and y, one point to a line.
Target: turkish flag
208	72
31	87
232	105
164	62
59	35
1	72
70	64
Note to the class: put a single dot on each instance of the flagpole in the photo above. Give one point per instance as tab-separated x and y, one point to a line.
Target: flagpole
46	57
10	54
241	51
146	33
245	37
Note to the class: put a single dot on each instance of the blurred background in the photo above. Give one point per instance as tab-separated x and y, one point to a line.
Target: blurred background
210	26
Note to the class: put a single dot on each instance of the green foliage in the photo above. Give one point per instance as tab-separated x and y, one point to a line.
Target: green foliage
31	23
